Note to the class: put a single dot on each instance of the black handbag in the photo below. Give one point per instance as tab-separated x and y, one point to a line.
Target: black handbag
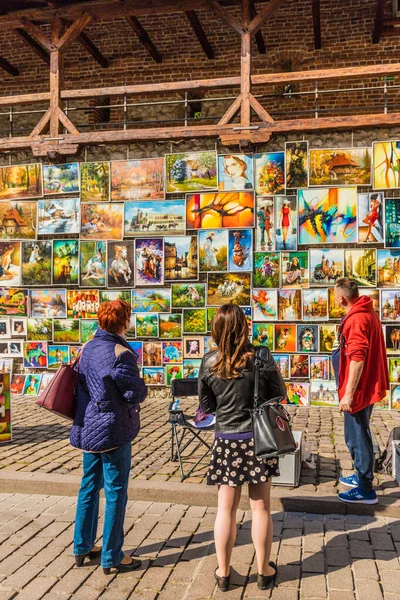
270	423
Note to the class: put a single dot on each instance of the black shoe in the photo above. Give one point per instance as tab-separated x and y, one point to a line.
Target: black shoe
132	566
222	582
80	558
267	582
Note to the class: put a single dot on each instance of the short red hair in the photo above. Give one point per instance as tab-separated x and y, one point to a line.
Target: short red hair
114	315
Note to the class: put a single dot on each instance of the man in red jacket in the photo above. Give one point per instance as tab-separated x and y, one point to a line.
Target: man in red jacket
362	378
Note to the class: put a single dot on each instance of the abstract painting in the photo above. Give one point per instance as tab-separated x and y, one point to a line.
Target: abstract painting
392	222
21	182
386	165
295	269
270	173
266	269
82	304
88	329
265	304
157	300
93	259
101	221
61	179
149	261
231	288
120	264
235	172
213	250
265	229
162	217
141	179
263	335
10	264
388	262
315	305
65	262
220	210
340	166
18	220
191	172
58	216
181	258
285	222
95	181
296	155
324	393
298	393
240	250
36	263
48	303
370	218
360	265
13	302
35	355
326	265
188	295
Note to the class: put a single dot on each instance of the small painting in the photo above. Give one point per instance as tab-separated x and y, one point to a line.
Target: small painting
328	216
147	325
108	296
388	268
296	160
213	248
66	331
282	362
131	333
340	166
35	355
360	265
392	222
265	304
319	367
395	397
265	230
102	221
5	409
152	355
315	305
172	352
48	303
370	218
61	179
82	304
295	270
46	378
248	313
211	312
17	384
149	261
191	368
170	325
93	258
289	305
335	310
324	393
270	173
5	328
88	329
36	263
298	393
65	262
188	295
14	348
285	337
10	264
229	287
235	172
285	223
266	269
13	302
32	384
18	220
57	355
194	320
95	181
164	217
120	264
21	182
392	338
193	347
209	344
173	372
374	295
326	266
40	330
386	174
157	300
59	216
140	179
191	172
227	210
181	258
137	348
153	375
18	327
307	338
299	366
240	250
390	305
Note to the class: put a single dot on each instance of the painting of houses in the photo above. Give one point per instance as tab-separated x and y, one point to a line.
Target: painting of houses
344	166
181	258
21	182
191	172
164	217
18	220
58	216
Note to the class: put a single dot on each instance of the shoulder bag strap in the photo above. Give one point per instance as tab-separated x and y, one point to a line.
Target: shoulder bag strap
257	364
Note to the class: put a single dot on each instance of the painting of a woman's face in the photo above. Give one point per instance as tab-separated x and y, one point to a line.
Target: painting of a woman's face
234	167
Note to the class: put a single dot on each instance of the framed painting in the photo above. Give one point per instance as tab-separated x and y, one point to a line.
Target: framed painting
285	337
172	352
191	172
93	260
298	393
335	310
95	181
307	338
13	302
149	261
5	327
327	215
386	157
88	329
324	393
319	367
164	217
289	305
82	304
326	266
228	210
61	179
60	216
394	370
21	182
17	384
193	347
152	354
40	329
137	347
65	262
340	166
170	325
240	250
267	269
66	331
157	300
36	263
32	384
48	303
392	339
370	218
282	362
109	295
153	375
10	264
296	164
211	312
360	265
181	258
248	313
388	262
213	250
270	173
235	172
18	327
45	380
57	355
315	305
299	366
265	304
295	269
35	355
191	368
285	223
101	221
392	222
390	302
18	220
395	397
120	264
265	228
194	320
139	179
209	344
234	288
374	295
11	348
173	372
188	295
131	333
147	325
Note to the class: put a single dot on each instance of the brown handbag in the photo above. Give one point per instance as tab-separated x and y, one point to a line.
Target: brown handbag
59	397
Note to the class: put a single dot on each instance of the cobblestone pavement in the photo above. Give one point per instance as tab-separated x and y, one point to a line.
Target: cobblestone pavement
319	556
40	444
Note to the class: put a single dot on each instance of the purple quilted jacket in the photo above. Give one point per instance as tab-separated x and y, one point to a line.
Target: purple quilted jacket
109	392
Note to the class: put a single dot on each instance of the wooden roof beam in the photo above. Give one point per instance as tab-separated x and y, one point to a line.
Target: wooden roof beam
200	34
74	31
226	16
36	32
36	47
316	14
87	43
262	49
8	67
378	23
263	15
144	38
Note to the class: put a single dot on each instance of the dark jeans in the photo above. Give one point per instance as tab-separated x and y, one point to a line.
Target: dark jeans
111	471
359	442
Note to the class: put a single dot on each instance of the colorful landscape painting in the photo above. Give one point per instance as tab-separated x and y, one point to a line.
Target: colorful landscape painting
340	166
107	295
213	250
158	300
18	220
296	155
40	330
315	305
162	217
57	355
93	259
188	295
13	302
226	288
10	264
66	331
360	265
21	182
289	305
194	320
170	325
58	216
88	329
181	258
141	179
191	172
95	181
319	368
36	263
101	221
388	262
386	157
147	325
61	179
220	210
149	261
324	393
235	172
120	264
65	262
48	303
270	173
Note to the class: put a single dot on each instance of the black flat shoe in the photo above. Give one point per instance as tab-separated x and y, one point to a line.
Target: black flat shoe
267	582
80	558
222	582
132	566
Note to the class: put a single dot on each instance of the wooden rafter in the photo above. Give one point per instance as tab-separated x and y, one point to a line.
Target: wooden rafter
200	34
144	38
245	66
262	49
316	13
263	15
36	47
378	23
74	30
226	16
36	32
93	50
8	67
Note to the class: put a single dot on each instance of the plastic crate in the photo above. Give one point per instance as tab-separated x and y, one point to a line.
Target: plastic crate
290	465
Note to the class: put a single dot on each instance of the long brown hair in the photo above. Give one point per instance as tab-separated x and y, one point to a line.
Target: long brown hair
230	331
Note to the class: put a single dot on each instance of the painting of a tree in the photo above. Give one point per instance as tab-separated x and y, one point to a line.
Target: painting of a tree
142	179
21	181
95	181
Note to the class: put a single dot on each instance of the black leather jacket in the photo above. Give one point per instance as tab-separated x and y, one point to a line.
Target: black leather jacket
231	399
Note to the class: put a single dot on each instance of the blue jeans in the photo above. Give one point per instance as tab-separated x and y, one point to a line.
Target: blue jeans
111	471
359	442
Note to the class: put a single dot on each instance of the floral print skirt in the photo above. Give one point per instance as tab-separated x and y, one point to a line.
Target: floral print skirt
233	462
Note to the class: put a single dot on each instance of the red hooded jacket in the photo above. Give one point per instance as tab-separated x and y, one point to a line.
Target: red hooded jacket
361	337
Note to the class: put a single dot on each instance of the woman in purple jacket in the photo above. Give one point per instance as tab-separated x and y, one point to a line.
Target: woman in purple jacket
110	390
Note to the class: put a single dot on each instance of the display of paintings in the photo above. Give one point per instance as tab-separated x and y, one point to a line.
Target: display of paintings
360	265
149	261
66	331
285	337
388	262
170	325
95	181
65	262
61	179
188	295
213	250
172	352
340	166
152	354
13	302
21	182
235	172
147	325
282	362
92	268
173	372
58	216
57	355
36	263
17	384
336	311
88	329
265	228
191	172
390	301
324	393
102	221
307	338
296	155
215	210
191	368
266	269
370	218
193	347
298	393
395	397
327	215
35	355
140	179
18	220
270	173
18	327
161	218
109	295
10	264
386	156
153	375
32	384
285	222
240	250
319	367
82	304
315	305
392	222
289	305
392	339
327	337
194	320
158	300
295	269
299	366
326	266
234	288
40	329
181	258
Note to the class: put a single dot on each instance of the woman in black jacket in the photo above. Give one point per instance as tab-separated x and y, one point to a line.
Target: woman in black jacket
226	387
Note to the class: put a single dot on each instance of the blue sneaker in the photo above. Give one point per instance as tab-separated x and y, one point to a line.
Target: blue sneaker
351	481
357	496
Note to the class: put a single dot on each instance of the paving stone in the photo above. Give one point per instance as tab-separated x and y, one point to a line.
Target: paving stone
381	541
365	569
338	557
313	563
37	588
313	586
340	595
366	588
390	582
340	579
387	561
361	549
154	579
